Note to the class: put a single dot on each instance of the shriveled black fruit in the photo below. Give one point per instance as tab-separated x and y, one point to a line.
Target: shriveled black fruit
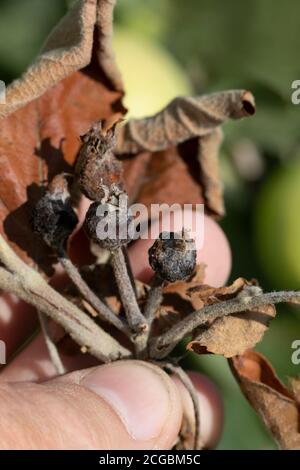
108	225
173	256
97	168
53	217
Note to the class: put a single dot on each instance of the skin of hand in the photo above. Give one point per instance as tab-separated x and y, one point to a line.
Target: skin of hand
124	405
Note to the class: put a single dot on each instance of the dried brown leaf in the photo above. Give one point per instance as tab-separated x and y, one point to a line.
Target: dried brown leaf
275	404
210	295
231	334
294	385
186	291
183	119
179	301
183	297
71	84
190	127
208	159
162	177
227	336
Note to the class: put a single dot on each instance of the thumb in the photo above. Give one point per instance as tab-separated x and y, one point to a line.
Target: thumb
124	405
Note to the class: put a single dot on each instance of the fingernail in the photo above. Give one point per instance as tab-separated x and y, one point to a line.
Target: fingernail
138	392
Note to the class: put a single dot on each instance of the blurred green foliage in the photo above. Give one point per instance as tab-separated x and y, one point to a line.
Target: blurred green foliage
220	44
24	25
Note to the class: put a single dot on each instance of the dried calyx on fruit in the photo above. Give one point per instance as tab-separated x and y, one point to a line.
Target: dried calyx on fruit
173	256
108	223
53	217
97	169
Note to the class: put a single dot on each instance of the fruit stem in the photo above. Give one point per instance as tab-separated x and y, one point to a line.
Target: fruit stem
135	318
129	270
103	310
154	299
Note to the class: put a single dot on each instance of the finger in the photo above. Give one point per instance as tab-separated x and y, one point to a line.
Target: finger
93	409
18	320
215	252
33	363
210	407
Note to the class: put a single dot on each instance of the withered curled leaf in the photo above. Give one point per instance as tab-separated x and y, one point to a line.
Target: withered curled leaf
278	406
231	334
190	126
73	83
183	119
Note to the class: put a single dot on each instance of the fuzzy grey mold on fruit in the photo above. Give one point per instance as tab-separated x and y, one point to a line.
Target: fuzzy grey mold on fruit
173	256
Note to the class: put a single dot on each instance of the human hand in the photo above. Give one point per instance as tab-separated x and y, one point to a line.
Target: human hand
124	405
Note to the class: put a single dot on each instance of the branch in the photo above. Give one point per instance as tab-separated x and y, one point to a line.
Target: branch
161	346
154	299
186	381
104	312
51	346
136	320
32	288
129	270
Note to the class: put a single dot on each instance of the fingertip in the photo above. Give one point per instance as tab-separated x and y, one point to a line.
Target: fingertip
12	309
210	404
33	363
137	395
215	252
